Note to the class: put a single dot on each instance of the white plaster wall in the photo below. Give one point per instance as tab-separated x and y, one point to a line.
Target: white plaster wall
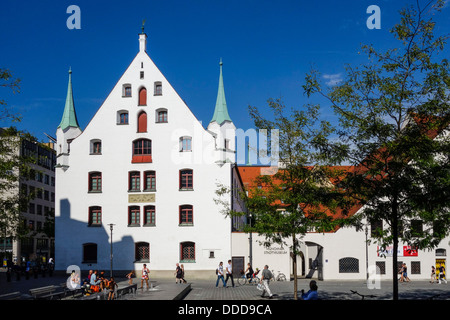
211	230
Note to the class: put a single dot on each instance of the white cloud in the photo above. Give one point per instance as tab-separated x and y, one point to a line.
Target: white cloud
332	79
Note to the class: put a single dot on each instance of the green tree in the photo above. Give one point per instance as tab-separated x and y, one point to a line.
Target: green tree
392	114
299	197
14	166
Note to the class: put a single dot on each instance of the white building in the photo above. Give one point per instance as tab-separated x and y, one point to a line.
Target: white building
145	166
142	176
342	254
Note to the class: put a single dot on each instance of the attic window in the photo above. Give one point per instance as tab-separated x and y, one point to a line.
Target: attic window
158	88
126	90
142	74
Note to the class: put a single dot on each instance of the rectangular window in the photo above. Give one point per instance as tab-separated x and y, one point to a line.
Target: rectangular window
149	216
185	144
162	116
186	179
187	252
123	118
134	213
134	181
415	267
158	88
186	215
149	180
142	252
127	90
95	182
376	228
95	216
97	147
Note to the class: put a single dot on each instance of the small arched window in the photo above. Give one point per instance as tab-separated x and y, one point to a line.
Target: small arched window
142	122
143	97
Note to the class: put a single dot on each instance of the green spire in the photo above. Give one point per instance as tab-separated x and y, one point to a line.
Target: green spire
221	111
69	118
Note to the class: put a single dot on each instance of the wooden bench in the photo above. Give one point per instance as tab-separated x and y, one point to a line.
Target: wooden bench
47	292
126	290
11	296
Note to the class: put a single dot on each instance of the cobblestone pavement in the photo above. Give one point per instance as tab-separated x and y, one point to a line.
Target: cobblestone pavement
206	289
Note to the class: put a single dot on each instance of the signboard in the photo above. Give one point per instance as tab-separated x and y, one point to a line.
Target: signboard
136	198
402	251
275	250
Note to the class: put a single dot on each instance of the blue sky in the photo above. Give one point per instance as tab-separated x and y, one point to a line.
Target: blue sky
267	47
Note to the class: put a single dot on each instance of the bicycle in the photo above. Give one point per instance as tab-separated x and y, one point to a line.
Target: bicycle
279	277
363	295
243	280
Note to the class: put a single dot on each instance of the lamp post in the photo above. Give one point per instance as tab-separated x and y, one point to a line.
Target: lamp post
367	257
111	226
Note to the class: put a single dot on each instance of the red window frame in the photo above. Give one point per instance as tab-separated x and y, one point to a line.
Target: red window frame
142	151
134	181
186	179
95	216
123	118
95	182
187	251
134	214
186	215
150	215
149	180
162	116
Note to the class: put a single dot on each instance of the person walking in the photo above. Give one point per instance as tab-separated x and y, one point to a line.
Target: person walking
182	273
229	273
145	273
219	272
405	273
433	274
249	272
266	276
442	274
178	273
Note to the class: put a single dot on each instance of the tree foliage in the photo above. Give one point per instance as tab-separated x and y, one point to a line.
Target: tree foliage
393	113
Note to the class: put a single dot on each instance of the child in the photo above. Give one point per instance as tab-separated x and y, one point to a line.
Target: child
130	276
112	285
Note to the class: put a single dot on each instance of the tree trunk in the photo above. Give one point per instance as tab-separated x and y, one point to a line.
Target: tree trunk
294	265
395	248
